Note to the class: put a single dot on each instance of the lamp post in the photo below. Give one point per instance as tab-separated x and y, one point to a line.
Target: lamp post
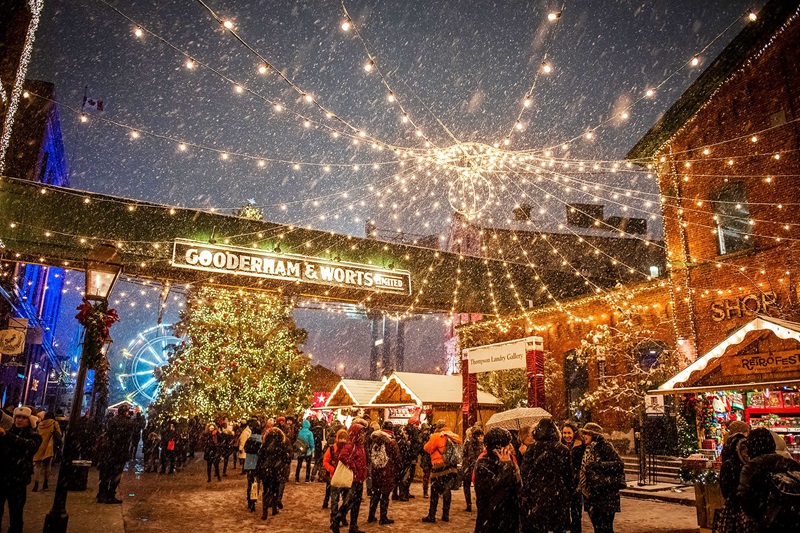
101	274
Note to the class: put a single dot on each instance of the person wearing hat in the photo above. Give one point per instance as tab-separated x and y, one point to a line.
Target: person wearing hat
212	450
547	481
443	475
18	444
731	517
497	485
601	478
756	481
116	451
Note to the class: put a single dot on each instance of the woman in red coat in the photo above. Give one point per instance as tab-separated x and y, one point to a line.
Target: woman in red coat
354	457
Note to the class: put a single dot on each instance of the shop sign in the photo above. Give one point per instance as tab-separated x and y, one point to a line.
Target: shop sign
501	356
12	340
256	263
743	306
762	363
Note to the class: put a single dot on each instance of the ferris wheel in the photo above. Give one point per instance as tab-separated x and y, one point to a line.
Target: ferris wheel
143	358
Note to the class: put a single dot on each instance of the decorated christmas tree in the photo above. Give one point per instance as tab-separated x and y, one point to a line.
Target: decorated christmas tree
241	358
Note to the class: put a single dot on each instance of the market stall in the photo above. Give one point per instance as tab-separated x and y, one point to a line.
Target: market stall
434	396
351	397
753	375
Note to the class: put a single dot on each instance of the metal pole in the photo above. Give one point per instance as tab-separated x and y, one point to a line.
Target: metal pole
57	519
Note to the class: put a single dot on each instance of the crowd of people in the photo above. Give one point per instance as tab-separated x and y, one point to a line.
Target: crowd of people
537	479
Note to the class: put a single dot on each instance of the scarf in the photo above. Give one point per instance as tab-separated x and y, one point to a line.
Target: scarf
588	457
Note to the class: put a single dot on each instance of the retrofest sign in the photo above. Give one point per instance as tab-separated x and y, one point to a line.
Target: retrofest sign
501	356
256	263
762	363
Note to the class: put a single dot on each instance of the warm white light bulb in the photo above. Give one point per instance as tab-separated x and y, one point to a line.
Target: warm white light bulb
527	102
553	16
695	61
26	94
182	147
224	157
405	118
278	108
649	92
752	17
134	135
346	25
262	163
263	69
84	118
308	98
369	65
189	64
624	115
238	89
138	32
390	97
547	68
518	125
589	135
228	25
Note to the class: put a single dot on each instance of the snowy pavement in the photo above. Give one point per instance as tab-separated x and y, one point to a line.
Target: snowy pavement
180	502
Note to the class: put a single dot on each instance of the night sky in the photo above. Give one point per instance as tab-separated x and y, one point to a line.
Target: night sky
466	63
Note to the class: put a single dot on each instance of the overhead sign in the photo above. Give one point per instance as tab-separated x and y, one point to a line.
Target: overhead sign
762	363
12	341
503	355
290	267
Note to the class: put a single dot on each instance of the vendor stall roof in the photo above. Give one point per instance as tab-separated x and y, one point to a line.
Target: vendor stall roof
783	329
427	389
352	393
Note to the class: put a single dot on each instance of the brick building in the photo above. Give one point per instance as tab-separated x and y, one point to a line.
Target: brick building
727	159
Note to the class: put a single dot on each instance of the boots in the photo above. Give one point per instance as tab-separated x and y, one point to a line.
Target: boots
44	484
35	487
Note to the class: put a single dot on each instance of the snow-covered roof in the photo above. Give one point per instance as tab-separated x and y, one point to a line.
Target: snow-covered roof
425	389
782	328
352	392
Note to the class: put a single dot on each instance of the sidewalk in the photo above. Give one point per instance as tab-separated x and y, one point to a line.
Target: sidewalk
85	514
663	492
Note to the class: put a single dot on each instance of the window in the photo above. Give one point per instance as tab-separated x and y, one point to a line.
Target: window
576	383
733	218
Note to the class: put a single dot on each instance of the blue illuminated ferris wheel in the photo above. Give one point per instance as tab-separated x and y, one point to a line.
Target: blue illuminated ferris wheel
142	359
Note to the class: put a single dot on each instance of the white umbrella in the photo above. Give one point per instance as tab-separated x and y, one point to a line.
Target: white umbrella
513	419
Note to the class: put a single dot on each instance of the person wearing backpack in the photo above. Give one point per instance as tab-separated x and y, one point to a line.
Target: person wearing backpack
444	448
547	482
769	485
304	449
251	448
272	458
384	460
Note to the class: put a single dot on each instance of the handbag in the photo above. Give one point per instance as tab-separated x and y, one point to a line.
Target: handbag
342	477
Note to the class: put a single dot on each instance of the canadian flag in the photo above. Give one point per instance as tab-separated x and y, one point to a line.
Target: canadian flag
91	103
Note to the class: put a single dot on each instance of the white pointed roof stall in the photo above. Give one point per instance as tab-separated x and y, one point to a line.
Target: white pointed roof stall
783	329
352	393
425	389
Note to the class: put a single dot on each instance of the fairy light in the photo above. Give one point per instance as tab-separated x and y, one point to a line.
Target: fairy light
554	16
190	64
547	68
695	61
346	25
228	25
263	69
138	32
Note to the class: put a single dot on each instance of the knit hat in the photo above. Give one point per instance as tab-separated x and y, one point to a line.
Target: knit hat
760	442
341	434
546	430
595	430
496	438
737	426
26	411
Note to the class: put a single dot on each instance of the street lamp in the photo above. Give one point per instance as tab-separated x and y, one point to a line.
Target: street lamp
102	272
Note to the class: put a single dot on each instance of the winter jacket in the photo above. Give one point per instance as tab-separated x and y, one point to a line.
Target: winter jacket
243	436
497	487
318	431
331	457
306	435
472	449
755	480
424	457
353	454
48	429
119	433
547	484
731	467
273	457
437	444
604	476
251	459
383	478
212	447
17	447
167	436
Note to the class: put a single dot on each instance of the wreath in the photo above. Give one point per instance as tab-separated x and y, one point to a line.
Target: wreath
97	319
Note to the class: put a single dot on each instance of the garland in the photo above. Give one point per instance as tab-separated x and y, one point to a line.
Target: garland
704	477
96	319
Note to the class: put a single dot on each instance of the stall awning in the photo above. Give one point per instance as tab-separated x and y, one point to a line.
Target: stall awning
733	386
427	389
783	329
352	393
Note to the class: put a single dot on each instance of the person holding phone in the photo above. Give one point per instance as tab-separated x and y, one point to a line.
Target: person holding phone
497	485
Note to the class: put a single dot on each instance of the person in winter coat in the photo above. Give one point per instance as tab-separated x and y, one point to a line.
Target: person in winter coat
547	481
304	448
570	437
116	452
152	441
50	432
272	459
139	424
354	457
330	458
226	445
318	428
251	449
169	446
243	436
287	469
497	485
443	475
425	458
601	478
211	451
411	452
384	460
472	449
731	518
18	444
523	440
756	480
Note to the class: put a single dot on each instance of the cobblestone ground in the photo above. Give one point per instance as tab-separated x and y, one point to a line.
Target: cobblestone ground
184	501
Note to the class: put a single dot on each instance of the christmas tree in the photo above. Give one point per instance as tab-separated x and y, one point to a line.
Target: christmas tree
241	358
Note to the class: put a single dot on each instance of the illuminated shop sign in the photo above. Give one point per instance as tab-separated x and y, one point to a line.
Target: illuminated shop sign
744	306
259	264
